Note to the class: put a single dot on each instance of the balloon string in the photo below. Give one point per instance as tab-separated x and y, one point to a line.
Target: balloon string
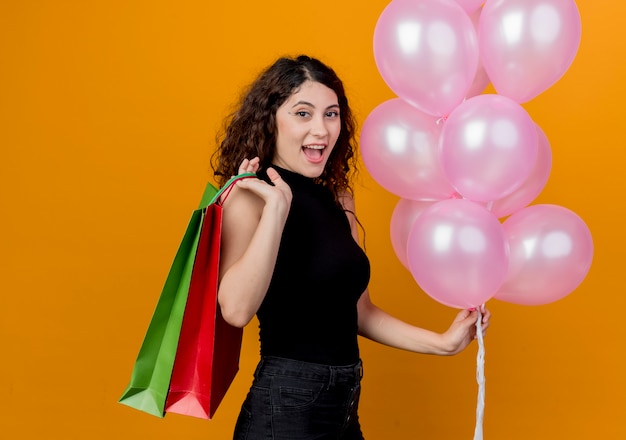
480	378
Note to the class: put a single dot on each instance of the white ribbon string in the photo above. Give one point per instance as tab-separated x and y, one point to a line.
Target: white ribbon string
480	378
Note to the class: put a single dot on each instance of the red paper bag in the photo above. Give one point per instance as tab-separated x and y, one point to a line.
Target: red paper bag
207	357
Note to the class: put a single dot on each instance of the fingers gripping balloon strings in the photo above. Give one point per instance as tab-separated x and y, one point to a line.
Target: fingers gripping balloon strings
480	377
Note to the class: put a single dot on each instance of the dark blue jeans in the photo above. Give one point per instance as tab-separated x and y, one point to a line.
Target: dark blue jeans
294	400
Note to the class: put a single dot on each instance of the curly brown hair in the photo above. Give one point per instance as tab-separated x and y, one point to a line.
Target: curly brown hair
250	131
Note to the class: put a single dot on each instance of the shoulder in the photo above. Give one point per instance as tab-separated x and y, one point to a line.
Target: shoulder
240	205
347	202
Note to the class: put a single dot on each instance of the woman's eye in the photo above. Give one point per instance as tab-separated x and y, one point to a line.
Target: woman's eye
332	114
302	114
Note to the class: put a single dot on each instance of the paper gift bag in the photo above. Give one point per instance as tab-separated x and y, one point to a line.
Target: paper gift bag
207	358
150	379
152	372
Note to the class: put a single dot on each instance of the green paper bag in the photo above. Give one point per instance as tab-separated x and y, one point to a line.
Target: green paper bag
150	380
152	372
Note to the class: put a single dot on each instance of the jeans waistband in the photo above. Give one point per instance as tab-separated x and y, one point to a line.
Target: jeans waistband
331	374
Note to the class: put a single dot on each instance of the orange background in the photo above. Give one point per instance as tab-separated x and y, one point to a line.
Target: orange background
108	111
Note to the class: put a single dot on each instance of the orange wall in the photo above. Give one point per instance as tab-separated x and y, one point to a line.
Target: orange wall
107	115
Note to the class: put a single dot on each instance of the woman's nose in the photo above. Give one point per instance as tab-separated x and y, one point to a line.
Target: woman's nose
318	127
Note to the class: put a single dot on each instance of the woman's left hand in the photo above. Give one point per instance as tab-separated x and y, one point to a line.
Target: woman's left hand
463	329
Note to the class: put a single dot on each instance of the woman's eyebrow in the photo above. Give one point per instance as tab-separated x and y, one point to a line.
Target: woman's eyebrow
307	103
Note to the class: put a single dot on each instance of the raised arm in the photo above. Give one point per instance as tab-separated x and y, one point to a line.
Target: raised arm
379	326
253	219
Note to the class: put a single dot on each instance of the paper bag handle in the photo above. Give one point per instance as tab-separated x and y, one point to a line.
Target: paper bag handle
211	194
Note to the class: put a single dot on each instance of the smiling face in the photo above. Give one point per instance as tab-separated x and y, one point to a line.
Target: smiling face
308	125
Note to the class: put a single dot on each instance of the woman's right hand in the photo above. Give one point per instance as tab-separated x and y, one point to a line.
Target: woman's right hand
249	166
276	196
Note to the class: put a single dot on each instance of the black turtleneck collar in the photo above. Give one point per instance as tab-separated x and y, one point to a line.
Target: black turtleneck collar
291	177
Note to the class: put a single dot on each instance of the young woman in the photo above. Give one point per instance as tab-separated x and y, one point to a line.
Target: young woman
290	255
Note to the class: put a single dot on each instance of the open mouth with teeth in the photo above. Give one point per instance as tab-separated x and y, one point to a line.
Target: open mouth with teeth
314	153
